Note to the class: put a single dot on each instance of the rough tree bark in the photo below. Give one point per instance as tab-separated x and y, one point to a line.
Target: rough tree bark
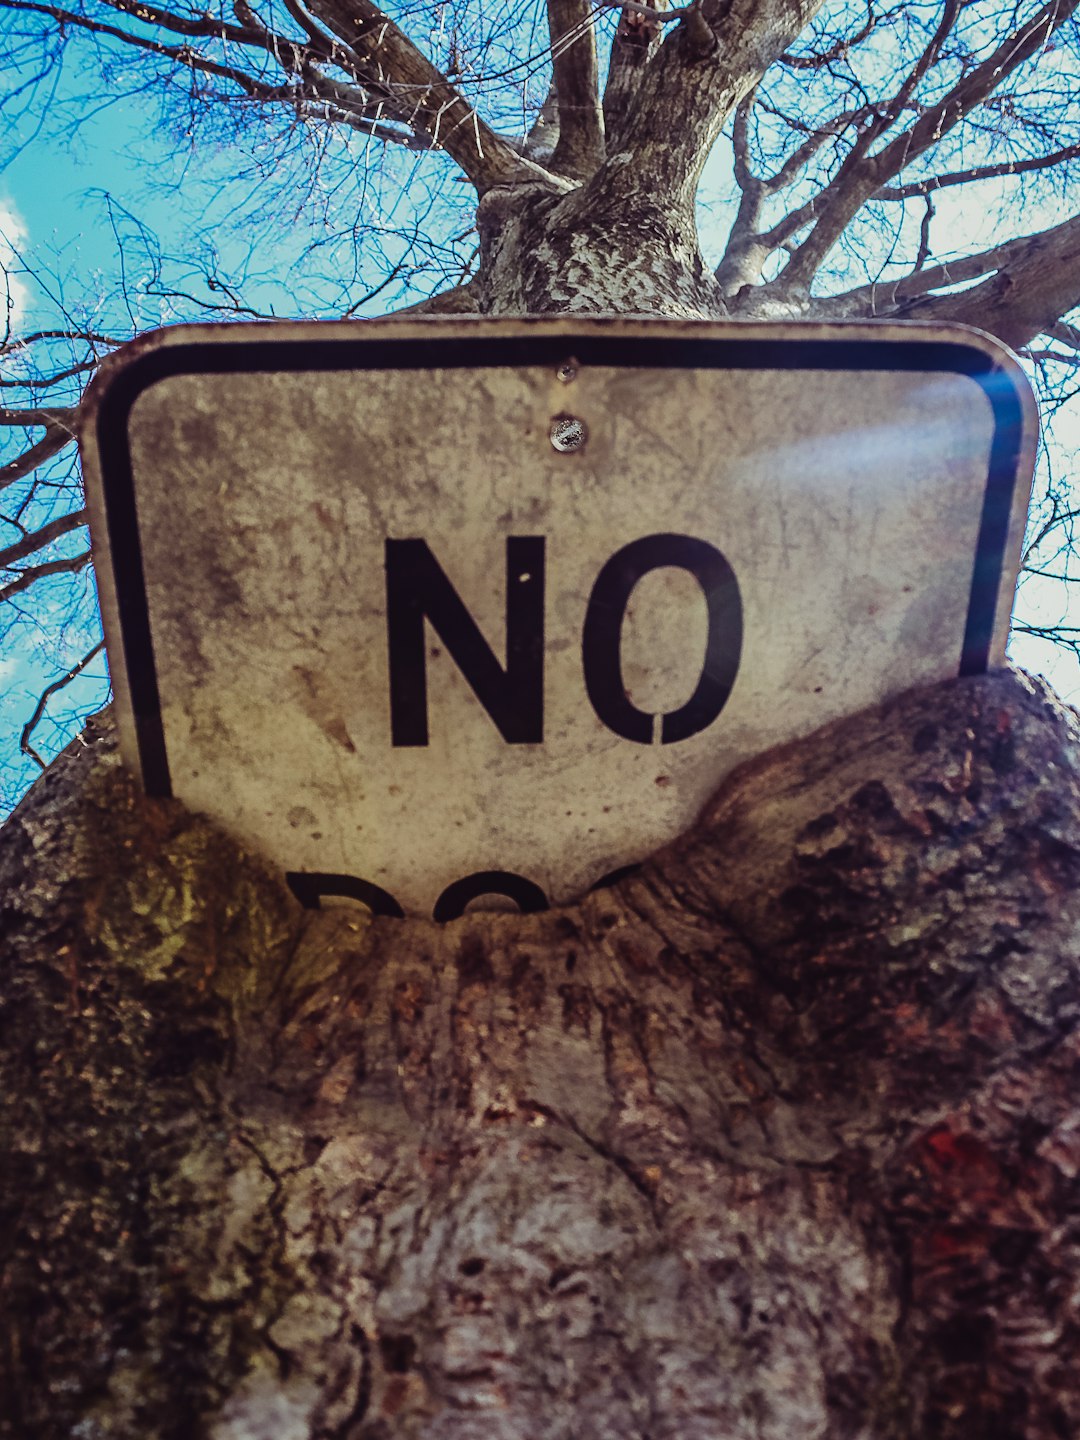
776	1138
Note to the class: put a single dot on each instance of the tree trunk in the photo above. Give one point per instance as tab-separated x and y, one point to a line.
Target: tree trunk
600	249
775	1139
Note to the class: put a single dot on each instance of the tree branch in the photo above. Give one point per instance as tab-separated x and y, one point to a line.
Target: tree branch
745	178
801	156
631	51
46	695
1036	282
1048	357
253	40
291	55
72	564
206	27
1065	334
539	144
919	70
747	248
924	237
687	91
918	188
395	80
38	539
1033	280
63	416
861	174
883	299
57	435
743	254
461	300
970	92
837	51
91	337
421	94
41	382
580	148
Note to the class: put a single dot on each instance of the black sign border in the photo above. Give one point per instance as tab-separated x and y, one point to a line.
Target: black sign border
265	355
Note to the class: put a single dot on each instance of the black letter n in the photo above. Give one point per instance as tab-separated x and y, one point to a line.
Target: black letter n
417	589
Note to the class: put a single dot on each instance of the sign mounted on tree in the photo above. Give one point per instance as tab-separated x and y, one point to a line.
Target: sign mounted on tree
441	610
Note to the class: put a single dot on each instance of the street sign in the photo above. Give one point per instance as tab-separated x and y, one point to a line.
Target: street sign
440	612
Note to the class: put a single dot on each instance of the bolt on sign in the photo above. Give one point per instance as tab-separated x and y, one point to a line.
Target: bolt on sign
445	612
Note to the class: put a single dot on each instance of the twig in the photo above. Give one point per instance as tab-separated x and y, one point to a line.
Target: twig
44	698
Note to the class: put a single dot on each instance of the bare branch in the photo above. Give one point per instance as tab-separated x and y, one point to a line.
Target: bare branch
977	172
938	119
53	441
925	62
63	416
461	300
747	249
420	93
395	80
577	86
183	54
38	539
41	382
744	254
46	695
687	91
631	51
1032	281
923	253
740	142
1065	334
543	135
1036	282
91	337
633	48
1044	357
837	51
102	27
801	156
893	297
207	27
861	174
71	565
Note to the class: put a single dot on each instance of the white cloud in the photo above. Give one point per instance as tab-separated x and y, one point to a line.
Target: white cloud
14	293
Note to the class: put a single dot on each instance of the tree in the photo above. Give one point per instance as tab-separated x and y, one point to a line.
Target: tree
775	1137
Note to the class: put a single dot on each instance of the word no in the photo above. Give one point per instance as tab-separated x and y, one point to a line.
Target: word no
418	590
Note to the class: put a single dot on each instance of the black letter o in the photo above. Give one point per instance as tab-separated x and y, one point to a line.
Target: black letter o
603	631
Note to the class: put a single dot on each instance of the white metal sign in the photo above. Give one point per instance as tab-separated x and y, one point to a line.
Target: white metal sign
443	611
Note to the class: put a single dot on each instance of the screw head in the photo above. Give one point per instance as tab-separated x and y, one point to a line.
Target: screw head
568	433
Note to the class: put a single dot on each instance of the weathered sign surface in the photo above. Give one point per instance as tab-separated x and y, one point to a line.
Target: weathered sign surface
439	609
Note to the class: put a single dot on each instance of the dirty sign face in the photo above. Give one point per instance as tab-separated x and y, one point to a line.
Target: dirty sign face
442	611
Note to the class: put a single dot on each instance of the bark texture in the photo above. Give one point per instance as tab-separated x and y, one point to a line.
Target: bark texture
775	1139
